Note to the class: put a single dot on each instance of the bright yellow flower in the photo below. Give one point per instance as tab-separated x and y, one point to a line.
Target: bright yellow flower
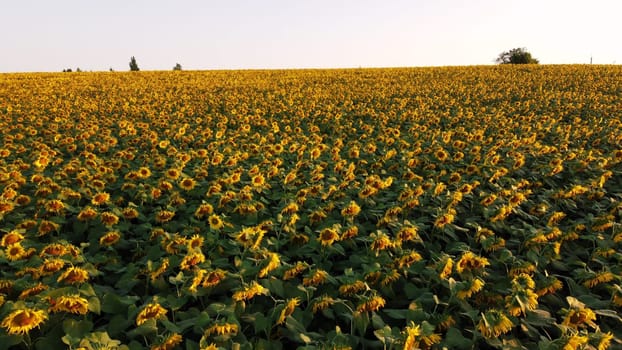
149	312
74	275
23	321
70	303
289	308
110	238
374	303
187	183
493	323
351	210
100	198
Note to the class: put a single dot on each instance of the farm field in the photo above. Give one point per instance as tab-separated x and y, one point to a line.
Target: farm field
457	207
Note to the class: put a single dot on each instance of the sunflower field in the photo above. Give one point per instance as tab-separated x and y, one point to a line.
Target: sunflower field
445	207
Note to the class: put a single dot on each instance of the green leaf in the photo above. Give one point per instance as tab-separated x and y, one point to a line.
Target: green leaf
77	329
293	325
149	327
7	341
170	326
608	313
398	314
113	304
377	321
455	340
94	305
361	322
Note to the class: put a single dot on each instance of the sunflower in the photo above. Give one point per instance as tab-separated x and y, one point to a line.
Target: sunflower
258	180
408	259
164	216
408	233
191	259
578	317
11	237
155	274
187	183
51	266
110	238
381	241
520	301
273	262
412	332
6	207
215	222
317	216
328	236
316	278
150	312
290	208
352	288
469	288
294	271
87	213
351	210
195	243
374	303
47	226
23	320
74	275
54	206
470	261
15	252
601	341
289	308
250	237
250	292
74	304
40	287
447	268
6	286
213	278
54	249
203	210
109	219
222	329
349	232
322	303
100	199
22	200
169	343
494	323
551	285
601	277
444	219
576	342
144	172
130	213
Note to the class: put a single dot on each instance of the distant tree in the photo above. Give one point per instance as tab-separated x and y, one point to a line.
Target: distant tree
516	56
177	66
134	65
78	70
112	70
68	70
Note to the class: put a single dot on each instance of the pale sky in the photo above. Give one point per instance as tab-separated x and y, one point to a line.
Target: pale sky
44	35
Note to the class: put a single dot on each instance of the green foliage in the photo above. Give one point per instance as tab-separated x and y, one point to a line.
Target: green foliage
516	56
177	66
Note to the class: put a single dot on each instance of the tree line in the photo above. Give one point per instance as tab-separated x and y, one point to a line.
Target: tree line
518	55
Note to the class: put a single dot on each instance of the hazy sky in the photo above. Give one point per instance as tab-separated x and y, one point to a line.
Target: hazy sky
44	35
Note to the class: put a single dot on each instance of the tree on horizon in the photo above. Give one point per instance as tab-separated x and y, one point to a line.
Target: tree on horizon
134	65
516	56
